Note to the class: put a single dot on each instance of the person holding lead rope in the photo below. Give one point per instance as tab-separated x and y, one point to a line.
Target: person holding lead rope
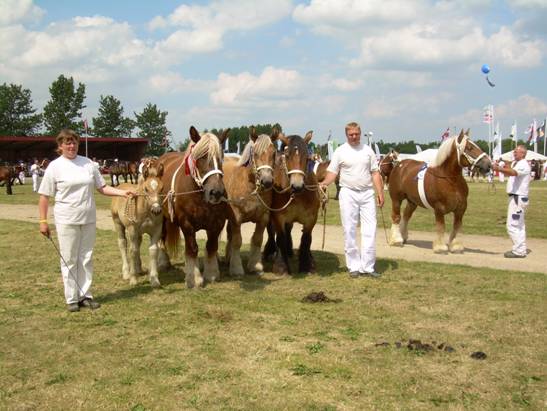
70	179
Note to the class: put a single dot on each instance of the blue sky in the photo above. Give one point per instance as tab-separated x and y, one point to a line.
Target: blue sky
404	69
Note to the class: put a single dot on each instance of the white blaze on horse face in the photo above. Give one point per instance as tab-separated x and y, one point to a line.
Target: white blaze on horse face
154	185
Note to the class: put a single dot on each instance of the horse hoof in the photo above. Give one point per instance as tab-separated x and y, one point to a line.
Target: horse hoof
440	251
396	243
155	283
132	281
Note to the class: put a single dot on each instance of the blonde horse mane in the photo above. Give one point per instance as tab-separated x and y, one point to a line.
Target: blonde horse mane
208	145
260	145
444	151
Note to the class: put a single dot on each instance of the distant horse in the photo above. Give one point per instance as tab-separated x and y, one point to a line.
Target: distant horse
136	216
440	187
196	200
249	182
7	174
387	164
295	199
126	169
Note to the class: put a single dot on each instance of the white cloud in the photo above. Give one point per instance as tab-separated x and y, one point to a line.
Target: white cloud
201	29
524	108
407	34
271	87
175	83
18	11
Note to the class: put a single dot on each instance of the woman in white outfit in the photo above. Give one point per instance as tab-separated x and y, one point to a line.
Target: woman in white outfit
70	179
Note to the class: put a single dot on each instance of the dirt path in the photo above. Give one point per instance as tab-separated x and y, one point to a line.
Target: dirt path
480	251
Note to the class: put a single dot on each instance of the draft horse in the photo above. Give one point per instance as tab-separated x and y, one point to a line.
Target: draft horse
7	175
136	216
440	187
249	182
295	199
196	200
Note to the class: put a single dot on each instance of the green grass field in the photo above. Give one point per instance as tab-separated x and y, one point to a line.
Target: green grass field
252	344
485	214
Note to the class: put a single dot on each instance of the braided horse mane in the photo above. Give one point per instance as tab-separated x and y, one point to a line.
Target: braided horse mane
259	146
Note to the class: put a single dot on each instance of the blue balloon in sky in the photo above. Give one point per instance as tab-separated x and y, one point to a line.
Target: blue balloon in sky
485	69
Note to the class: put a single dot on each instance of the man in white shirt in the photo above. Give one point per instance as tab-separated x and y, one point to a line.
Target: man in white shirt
359	178
35	172
517	189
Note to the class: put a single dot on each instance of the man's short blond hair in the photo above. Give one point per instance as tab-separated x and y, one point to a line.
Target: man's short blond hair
353	124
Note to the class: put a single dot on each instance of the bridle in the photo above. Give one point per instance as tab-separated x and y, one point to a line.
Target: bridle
256	170
460	149
392	161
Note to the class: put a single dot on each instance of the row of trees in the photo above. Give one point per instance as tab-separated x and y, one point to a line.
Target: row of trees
18	117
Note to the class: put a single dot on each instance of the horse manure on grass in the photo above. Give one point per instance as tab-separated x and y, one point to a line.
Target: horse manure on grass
318	297
478	355
419	346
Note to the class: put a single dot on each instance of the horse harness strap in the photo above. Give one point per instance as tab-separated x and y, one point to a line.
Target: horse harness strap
421	189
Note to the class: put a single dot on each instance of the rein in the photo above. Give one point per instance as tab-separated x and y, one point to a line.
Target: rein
460	149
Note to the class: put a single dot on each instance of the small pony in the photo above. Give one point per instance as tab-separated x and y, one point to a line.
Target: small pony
440	187
136	216
249	182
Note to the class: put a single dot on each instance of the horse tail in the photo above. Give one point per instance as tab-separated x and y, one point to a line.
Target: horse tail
171	237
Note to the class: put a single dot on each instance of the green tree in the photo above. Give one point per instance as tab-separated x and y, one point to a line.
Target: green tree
110	122
64	109
151	123
17	116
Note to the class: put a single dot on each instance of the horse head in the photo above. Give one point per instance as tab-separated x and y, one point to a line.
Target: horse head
263	156
296	159
204	163
151	186
389	162
470	154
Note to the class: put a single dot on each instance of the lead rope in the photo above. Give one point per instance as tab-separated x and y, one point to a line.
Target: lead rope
130	210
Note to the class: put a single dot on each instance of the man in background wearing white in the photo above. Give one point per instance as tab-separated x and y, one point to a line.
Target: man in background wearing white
517	189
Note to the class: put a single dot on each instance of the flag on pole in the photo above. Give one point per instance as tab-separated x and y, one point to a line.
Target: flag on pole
496	153
377	151
513	134
227	145
532	138
238	146
85	125
418	149
446	134
488	115
541	130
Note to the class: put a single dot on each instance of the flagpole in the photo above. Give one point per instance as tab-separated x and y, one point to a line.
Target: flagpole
544	133
85	129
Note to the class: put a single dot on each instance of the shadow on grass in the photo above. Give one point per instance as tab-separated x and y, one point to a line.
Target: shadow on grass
428	245
383	265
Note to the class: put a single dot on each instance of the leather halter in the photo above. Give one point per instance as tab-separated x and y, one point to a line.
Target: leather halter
460	149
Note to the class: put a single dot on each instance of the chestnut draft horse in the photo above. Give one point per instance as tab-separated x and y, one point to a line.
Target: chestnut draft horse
295	199
387	164
440	187
249	183
7	175
196	200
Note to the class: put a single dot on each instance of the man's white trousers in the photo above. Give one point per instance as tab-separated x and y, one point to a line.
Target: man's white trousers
76	243
35	184
355	207
516	228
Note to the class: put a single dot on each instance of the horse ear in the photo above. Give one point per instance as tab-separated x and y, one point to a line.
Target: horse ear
460	136
252	133
308	136
224	136
275	134
283	138
468	132
194	135
145	172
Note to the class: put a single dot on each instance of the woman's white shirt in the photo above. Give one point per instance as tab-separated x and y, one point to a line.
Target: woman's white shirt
72	183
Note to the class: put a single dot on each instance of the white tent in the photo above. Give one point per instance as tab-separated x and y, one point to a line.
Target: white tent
425	155
530	155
